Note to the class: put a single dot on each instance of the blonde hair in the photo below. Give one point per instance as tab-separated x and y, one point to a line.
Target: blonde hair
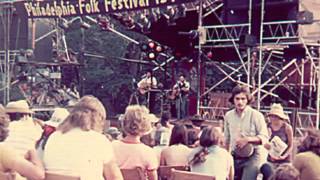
135	121
4	123
88	114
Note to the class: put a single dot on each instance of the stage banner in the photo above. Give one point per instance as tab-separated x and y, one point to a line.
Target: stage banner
64	8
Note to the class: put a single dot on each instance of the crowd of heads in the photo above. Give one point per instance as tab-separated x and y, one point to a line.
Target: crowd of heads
89	114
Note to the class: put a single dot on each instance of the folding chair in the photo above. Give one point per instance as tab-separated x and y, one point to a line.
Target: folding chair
133	174
179	175
164	172
53	176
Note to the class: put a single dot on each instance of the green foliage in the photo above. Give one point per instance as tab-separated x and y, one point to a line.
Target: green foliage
110	78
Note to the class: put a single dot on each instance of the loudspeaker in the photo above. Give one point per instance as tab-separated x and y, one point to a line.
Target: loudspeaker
247	40
305	17
294	52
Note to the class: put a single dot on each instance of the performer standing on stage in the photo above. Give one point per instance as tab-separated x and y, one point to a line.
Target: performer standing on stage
181	91
145	86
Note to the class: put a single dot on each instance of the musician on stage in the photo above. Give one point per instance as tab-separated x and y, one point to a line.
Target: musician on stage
181	91
145	86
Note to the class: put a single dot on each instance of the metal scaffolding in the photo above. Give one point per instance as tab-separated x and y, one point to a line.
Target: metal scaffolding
270	74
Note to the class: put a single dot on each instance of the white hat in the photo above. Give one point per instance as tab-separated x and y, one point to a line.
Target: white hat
277	109
58	116
20	106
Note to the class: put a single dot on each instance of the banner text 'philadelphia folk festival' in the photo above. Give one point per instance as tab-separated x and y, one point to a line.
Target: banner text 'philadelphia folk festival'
86	7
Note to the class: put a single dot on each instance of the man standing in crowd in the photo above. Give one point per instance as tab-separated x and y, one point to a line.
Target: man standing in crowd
245	133
145	86
181	91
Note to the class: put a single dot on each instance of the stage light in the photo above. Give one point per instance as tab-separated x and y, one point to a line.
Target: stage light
144	23
144	47
151	55
181	11
63	24
103	22
129	22
159	49
210	54
170	14
151	44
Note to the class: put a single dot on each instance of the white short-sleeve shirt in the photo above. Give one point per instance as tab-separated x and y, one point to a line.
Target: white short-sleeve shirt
78	153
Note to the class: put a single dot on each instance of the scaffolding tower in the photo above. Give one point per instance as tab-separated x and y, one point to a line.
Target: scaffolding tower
263	76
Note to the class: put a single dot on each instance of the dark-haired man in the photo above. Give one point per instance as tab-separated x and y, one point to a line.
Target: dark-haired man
245	131
181	89
145	86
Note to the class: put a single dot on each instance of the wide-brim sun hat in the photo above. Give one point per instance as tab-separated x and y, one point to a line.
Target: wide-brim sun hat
20	106
58	116
277	109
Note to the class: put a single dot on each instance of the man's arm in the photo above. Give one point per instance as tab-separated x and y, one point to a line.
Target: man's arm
226	135
261	129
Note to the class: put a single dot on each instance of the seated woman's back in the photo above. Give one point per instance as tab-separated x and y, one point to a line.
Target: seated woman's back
79	148
209	158
177	153
131	155
78	153
217	162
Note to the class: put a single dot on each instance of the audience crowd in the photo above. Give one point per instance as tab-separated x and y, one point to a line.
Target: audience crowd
77	142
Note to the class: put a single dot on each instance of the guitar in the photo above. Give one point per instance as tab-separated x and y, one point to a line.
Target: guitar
176	91
144	88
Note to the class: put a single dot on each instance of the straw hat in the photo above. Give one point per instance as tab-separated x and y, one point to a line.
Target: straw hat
58	116
277	109
20	106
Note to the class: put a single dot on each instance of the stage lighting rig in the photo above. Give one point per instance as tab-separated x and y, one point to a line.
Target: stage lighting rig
152	49
104	22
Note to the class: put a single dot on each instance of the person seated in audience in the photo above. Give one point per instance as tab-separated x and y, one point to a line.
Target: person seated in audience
209	158
285	172
281	129
307	161
113	133
177	153
195	131
79	148
57	117
29	166
162	134
24	131
130	151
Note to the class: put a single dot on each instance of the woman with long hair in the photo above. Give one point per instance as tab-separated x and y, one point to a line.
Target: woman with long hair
177	153
209	158
79	148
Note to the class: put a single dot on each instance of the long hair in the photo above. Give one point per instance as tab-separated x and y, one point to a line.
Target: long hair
178	135
210	136
88	114
311	142
241	89
286	172
4	123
